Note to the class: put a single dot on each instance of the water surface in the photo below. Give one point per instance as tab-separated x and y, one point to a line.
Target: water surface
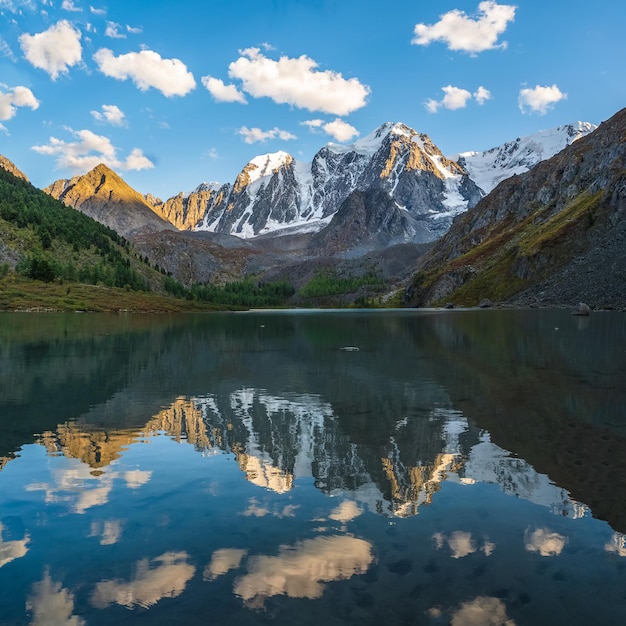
457	467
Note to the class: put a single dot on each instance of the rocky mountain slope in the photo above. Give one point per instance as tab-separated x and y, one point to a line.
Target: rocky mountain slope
274	191
554	235
103	195
9	166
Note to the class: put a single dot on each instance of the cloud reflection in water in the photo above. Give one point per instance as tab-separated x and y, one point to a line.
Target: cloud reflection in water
165	576
298	571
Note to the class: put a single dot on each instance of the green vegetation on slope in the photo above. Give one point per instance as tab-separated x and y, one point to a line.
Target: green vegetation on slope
23	294
328	283
53	257
243	293
57	243
514	256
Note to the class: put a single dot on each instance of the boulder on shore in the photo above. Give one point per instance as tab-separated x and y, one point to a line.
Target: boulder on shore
582	309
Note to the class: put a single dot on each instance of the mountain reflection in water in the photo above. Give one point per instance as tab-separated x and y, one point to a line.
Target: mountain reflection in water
457	468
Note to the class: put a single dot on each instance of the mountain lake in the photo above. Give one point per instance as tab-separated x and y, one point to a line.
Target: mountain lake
313	467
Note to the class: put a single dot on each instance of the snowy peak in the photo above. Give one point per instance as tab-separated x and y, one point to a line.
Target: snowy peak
490	167
267	164
372	143
274	193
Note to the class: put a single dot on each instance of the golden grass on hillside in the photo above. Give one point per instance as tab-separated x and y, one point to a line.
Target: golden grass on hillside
22	294
542	247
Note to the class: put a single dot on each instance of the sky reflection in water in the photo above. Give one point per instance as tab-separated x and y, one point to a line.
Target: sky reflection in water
288	481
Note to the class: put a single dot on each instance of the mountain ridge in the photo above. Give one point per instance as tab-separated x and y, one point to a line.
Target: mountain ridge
490	167
552	235
103	194
275	191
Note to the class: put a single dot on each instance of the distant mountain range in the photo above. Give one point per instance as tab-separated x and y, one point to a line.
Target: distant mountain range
276	194
495	217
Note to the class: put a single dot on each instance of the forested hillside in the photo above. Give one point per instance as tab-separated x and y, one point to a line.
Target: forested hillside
44	240
55	257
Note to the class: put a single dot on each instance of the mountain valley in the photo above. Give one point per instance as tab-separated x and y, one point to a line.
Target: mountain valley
431	229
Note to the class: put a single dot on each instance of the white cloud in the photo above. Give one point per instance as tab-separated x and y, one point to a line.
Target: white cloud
222	562
540	99
297	82
166	576
5	50
457	98
11	550
345	512
254	135
14	98
337	129
136	478
112	31
68	5
16	5
340	130
545	542
432	106
54	50
109	531
96	11
299	571
51	603
222	92
313	124
462	544
462	32
147	69
481	95
134	30
482	611
90	150
110	114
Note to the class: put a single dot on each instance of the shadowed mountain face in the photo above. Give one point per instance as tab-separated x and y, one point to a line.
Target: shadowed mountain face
103	195
551	236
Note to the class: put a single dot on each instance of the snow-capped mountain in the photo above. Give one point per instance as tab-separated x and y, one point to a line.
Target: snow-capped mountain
275	191
489	168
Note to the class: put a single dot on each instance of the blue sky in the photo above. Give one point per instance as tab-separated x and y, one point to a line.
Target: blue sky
174	94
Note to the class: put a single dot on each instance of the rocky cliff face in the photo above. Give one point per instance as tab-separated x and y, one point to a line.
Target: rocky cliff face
9	166
367	220
275	192
186	211
532	232
103	195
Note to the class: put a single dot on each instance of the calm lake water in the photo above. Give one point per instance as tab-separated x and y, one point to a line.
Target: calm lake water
392	468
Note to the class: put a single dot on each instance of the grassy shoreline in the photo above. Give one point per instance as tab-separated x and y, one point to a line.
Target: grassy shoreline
18	294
